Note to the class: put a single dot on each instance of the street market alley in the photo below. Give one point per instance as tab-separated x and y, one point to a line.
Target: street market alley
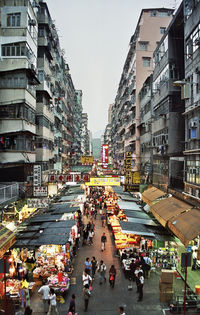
105	300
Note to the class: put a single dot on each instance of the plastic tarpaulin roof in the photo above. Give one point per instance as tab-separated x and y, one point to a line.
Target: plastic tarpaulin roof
129	205
186	226
62	208
142	221
168	208
136	214
135	228
152	194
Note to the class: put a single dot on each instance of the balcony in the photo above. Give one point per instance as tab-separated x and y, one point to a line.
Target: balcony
8	193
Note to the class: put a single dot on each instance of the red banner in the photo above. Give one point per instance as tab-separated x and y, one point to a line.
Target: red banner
105	156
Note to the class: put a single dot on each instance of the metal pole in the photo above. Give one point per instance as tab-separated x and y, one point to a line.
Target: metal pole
186	262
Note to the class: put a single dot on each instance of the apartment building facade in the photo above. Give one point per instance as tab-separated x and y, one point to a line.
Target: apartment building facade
85	136
167	107
38	100
138	66
77	127
191	89
146	152
18	53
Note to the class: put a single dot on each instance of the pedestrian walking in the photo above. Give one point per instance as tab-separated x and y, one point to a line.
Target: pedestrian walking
140	286
121	310
90	235
137	271
88	265
28	311
102	272
103	220
45	290
86	295
72	306
103	242
86	279
194	259
94	266
53	303
112	275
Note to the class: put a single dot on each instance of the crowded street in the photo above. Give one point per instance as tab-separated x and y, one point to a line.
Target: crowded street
105	299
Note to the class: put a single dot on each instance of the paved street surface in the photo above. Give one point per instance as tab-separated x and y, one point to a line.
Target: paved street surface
105	300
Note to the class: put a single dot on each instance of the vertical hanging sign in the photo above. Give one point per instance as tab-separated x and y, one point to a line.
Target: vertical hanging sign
105	156
37	175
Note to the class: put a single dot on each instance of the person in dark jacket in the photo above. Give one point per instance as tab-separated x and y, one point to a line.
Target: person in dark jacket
112	275
72	305
28	311
86	296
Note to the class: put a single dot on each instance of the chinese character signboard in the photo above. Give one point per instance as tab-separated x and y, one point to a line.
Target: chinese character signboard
40	191
104	181
87	160
38	203
105	156
72	177
37	175
132	177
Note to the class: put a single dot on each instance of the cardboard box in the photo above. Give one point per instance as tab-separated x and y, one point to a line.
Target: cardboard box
165	286
166	297
167	276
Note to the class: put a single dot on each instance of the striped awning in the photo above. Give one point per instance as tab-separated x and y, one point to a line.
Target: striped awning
7	239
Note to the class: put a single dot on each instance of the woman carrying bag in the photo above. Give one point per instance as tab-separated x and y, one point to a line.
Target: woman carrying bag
112	275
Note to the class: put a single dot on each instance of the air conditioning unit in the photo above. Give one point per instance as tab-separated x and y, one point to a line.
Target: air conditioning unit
193	124
32	22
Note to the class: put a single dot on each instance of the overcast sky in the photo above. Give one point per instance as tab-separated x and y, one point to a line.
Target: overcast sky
95	35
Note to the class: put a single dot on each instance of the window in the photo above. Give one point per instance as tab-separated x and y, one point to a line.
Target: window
18	111
14	19
14	49
162	30
143	45
41	32
153	13
163	13
146	61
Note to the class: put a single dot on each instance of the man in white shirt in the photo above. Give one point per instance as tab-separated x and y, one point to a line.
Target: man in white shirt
45	290
86	279
194	258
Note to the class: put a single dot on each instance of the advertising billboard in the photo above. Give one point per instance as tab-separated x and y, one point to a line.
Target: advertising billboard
105	156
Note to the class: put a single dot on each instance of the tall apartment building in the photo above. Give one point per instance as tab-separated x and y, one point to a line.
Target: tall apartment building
38	100
191	89
107	133
167	107
146	153
77	127
18	54
138	66
45	90
85	135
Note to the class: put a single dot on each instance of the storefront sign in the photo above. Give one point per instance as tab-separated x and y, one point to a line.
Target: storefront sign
132	177
104	181
40	191
87	160
37	175
105	156
72	177
38	203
